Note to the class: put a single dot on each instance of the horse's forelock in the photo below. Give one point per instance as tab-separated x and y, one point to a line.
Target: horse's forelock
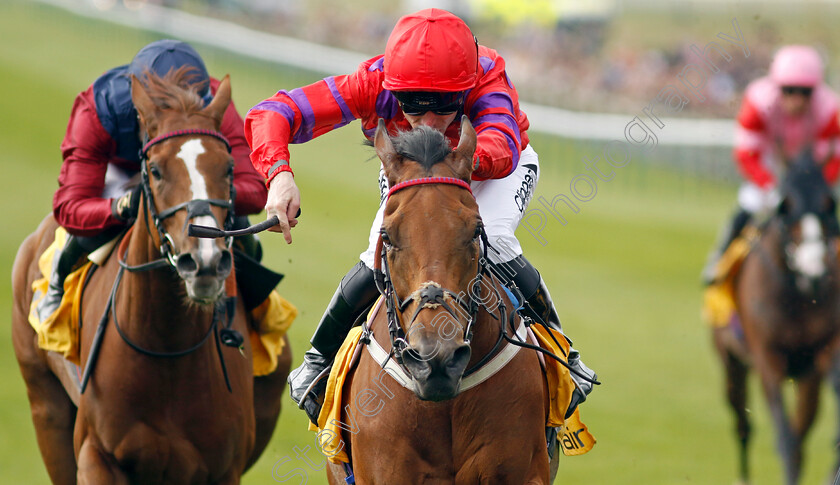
175	90
424	145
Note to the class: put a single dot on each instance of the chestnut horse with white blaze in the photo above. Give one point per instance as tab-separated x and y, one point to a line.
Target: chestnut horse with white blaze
163	400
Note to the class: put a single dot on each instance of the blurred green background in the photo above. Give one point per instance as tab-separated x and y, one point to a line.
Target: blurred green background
624	271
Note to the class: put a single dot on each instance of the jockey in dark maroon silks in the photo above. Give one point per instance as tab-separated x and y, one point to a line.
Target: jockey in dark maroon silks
101	154
432	72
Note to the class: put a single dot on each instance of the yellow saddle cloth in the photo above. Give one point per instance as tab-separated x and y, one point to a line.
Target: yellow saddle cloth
574	436
719	298
59	332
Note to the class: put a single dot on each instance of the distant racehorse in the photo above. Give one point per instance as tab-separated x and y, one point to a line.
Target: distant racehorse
788	302
166	402
439	333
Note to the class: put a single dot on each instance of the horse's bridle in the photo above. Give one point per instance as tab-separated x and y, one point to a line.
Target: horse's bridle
194	207
429	294
437	295
224	309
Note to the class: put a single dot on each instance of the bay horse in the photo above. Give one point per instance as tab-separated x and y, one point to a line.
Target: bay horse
434	430
162	400
786	296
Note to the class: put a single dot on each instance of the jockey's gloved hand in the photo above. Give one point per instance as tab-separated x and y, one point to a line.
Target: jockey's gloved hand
583	386
125	208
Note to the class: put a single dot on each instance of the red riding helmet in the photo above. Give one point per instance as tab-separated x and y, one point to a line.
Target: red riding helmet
431	50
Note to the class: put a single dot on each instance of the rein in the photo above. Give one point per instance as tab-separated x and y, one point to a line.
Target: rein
194	208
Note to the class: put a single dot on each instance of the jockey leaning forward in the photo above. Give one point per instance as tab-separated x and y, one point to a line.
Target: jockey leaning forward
432	72
101	149
781	114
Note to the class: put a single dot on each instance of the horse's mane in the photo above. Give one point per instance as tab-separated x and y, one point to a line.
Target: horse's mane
176	90
424	145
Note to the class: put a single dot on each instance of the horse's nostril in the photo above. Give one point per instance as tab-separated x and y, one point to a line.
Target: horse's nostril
418	367
458	362
225	263
186	264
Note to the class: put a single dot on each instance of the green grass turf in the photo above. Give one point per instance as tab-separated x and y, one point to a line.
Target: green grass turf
623	271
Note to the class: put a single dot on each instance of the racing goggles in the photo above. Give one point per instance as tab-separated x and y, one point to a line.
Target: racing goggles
416	103
802	90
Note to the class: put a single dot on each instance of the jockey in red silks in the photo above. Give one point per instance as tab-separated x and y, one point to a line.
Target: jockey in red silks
101	154
781	114
432	72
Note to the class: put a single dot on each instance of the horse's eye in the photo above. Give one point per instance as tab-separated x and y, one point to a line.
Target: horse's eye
230	170
479	228
385	238
155	171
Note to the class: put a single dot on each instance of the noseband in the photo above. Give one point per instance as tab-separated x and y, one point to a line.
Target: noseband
194	208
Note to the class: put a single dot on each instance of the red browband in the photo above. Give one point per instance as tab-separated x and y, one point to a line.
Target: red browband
172	134
429	180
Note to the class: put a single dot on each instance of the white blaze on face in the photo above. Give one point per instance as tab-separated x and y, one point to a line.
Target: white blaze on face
809	256
189	155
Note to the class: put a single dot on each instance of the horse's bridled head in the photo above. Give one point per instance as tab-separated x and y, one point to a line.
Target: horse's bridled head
192	186
430	238
189	177
809	221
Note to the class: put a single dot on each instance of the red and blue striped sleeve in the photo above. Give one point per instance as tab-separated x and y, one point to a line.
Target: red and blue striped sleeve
302	114
493	109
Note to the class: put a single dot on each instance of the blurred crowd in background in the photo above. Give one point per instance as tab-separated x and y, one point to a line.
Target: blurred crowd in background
599	55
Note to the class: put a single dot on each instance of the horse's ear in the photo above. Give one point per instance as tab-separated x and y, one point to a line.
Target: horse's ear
465	151
146	108
216	109
385	148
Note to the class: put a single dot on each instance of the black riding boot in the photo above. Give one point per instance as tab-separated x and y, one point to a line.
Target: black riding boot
541	309
65	261
731	231
356	292
63	264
